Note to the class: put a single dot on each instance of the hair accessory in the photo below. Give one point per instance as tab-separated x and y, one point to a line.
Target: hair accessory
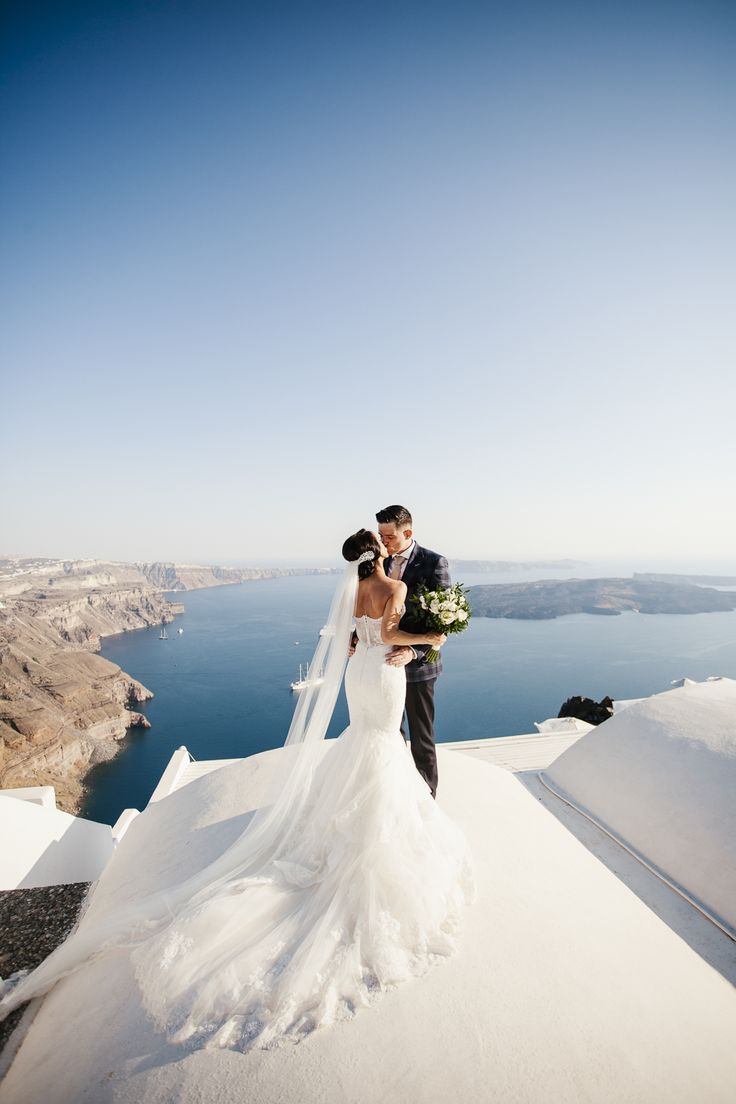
366	556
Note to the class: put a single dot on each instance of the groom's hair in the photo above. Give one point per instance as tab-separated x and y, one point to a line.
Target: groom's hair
355	546
396	515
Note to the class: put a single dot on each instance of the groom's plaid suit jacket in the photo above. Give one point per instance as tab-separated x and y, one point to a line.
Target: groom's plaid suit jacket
430	568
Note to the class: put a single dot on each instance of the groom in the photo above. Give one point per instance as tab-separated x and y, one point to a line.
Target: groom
415	565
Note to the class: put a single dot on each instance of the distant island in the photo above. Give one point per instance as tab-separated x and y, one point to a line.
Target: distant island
478	567
699	580
549	598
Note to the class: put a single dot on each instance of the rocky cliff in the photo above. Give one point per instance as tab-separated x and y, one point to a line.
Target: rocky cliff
19	576
63	708
173	576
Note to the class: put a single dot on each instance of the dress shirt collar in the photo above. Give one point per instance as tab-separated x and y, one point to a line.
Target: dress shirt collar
407	553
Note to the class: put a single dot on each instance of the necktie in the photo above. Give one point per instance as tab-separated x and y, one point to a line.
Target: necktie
396	565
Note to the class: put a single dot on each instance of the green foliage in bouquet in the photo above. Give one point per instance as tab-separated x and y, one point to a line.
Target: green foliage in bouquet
444	610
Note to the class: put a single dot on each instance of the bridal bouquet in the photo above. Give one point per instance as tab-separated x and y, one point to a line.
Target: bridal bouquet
445	610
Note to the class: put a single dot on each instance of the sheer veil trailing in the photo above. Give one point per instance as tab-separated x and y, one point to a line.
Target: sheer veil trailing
267	832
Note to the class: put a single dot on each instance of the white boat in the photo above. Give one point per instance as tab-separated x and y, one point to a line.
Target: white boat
163	635
180	631
305	679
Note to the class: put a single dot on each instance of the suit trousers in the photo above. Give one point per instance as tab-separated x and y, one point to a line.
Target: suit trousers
420	715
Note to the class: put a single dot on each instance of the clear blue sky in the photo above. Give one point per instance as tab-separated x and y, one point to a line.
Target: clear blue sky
267	268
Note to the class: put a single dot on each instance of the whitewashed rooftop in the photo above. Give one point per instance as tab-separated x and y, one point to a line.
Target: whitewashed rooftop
583	975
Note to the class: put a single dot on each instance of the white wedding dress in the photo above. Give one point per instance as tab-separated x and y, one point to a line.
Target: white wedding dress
367	891
310	916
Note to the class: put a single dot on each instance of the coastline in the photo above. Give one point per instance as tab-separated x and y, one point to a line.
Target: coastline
64	708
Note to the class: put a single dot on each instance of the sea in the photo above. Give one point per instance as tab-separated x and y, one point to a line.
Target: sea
222	687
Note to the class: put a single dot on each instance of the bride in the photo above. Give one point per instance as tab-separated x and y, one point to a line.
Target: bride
349	880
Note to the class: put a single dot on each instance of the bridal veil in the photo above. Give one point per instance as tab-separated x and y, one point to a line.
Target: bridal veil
257	846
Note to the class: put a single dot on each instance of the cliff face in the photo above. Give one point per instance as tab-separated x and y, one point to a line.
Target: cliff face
68	576
172	576
83	619
63	708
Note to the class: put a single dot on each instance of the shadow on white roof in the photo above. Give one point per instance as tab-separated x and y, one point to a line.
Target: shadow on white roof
661	776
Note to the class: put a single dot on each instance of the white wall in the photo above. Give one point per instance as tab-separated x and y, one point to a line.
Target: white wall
41	846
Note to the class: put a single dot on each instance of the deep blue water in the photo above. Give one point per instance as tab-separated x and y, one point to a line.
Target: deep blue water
222	688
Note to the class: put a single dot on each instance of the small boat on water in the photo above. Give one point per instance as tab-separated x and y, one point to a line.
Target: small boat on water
180	631
163	635
305	679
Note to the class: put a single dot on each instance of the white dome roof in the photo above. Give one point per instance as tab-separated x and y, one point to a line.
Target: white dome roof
661	775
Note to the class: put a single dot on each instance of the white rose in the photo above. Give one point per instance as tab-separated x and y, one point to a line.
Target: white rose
462	615
447	618
434	606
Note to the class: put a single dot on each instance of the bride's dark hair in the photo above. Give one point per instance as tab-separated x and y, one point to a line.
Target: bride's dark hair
355	546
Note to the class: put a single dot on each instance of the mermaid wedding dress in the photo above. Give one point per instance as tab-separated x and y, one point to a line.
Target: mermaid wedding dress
365	889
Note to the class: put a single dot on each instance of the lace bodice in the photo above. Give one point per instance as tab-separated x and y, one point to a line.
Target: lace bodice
369	630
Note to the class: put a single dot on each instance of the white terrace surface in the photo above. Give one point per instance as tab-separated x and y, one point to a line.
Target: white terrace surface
531	751
582	976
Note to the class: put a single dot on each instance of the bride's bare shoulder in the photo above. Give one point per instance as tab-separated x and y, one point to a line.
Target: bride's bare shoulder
374	595
395	590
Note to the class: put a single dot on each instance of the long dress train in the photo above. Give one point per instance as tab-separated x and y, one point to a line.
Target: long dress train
367	891
306	917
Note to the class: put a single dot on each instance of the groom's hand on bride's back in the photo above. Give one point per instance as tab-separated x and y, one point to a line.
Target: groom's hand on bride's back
400	655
